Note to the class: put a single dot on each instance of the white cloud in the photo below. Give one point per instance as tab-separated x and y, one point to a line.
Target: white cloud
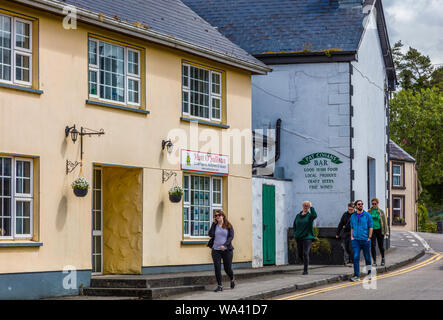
418	23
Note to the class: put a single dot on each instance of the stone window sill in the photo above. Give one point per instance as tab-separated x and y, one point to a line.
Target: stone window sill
20	88
208	123
115	106
21	244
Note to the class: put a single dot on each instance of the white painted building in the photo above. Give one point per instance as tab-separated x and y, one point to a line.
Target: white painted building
332	73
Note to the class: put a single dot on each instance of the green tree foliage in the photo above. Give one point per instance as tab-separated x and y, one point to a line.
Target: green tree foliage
416	114
416	125
425	224
414	70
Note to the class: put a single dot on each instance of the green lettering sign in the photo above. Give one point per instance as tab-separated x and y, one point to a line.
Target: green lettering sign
306	160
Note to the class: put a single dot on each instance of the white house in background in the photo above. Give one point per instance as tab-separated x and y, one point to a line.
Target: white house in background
332	73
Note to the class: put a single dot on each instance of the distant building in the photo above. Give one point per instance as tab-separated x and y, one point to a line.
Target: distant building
404	189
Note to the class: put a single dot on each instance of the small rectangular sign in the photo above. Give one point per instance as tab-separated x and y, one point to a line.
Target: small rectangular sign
204	162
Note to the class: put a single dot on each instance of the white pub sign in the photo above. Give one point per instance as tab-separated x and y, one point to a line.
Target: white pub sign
204	162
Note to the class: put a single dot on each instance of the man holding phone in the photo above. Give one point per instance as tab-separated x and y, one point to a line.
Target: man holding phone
361	232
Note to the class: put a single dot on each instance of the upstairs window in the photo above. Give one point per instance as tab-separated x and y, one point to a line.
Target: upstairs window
202	93
15	50
114	73
397	175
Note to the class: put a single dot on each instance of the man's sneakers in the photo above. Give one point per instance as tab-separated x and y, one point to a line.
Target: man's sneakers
383	261
374	264
232	284
355	279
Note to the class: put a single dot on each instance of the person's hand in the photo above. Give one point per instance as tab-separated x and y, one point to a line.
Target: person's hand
352	238
369	239
222	248
337	236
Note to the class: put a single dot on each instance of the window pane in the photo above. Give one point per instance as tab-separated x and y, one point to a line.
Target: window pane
133	66
199	92
133	91
216	108
397	181
22	68
93	83
216	83
22	35
5	48
112	78
92	52
396	169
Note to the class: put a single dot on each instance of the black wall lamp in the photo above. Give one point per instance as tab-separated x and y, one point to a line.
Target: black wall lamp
168	145
70	166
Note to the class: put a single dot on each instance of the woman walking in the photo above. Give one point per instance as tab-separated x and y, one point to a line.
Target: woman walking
304	232
221	234
379	233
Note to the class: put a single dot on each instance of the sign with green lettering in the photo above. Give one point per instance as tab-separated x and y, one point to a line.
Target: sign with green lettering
320	155
321	171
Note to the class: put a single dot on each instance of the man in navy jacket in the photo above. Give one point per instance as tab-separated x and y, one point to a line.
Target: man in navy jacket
361	233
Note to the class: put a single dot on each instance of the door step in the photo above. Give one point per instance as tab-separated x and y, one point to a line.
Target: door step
144	293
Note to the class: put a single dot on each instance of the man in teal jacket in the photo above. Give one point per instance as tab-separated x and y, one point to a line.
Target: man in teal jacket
361	232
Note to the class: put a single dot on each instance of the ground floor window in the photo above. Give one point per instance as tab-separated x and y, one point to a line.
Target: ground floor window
16	198
398	209
202	196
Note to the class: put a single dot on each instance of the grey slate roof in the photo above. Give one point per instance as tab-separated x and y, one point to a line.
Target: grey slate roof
397	153
171	18
264	26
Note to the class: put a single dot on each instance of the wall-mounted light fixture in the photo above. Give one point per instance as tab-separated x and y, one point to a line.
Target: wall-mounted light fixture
70	166
73	131
168	145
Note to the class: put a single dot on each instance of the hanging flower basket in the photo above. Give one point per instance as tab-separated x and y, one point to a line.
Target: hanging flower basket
80	187
175	194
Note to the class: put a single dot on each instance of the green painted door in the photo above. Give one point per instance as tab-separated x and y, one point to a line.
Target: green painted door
268	224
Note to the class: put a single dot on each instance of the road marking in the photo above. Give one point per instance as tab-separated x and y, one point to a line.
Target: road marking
423	241
436	257
415	244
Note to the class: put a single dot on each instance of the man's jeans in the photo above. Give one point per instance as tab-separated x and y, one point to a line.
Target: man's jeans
358	245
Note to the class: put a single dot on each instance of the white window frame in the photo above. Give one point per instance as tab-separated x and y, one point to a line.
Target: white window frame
211	94
397	175
212	207
127	76
21	51
20	197
94	68
402	214
25	54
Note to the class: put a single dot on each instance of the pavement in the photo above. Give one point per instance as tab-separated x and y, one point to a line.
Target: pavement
290	281
267	282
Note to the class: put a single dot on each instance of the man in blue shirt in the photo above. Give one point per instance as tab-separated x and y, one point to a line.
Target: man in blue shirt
361	233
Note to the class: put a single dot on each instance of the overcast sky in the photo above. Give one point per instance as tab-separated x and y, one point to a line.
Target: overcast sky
418	23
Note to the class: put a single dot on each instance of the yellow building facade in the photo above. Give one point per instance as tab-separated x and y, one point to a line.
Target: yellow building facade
140	93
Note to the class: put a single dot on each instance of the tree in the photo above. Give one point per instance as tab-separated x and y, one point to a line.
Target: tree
416	124
414	70
437	78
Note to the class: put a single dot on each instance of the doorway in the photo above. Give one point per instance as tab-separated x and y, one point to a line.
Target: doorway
268	224
117	217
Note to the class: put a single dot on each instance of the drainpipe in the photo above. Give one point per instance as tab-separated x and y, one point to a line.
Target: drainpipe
277	140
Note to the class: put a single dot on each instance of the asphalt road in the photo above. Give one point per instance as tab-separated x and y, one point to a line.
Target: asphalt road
422	280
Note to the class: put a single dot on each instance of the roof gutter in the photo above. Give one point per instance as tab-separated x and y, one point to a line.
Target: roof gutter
146	34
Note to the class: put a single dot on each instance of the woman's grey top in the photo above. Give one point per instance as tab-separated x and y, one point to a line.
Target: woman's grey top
221	235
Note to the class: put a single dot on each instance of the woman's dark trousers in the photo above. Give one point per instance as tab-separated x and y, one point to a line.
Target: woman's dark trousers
377	237
226	255
303	247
